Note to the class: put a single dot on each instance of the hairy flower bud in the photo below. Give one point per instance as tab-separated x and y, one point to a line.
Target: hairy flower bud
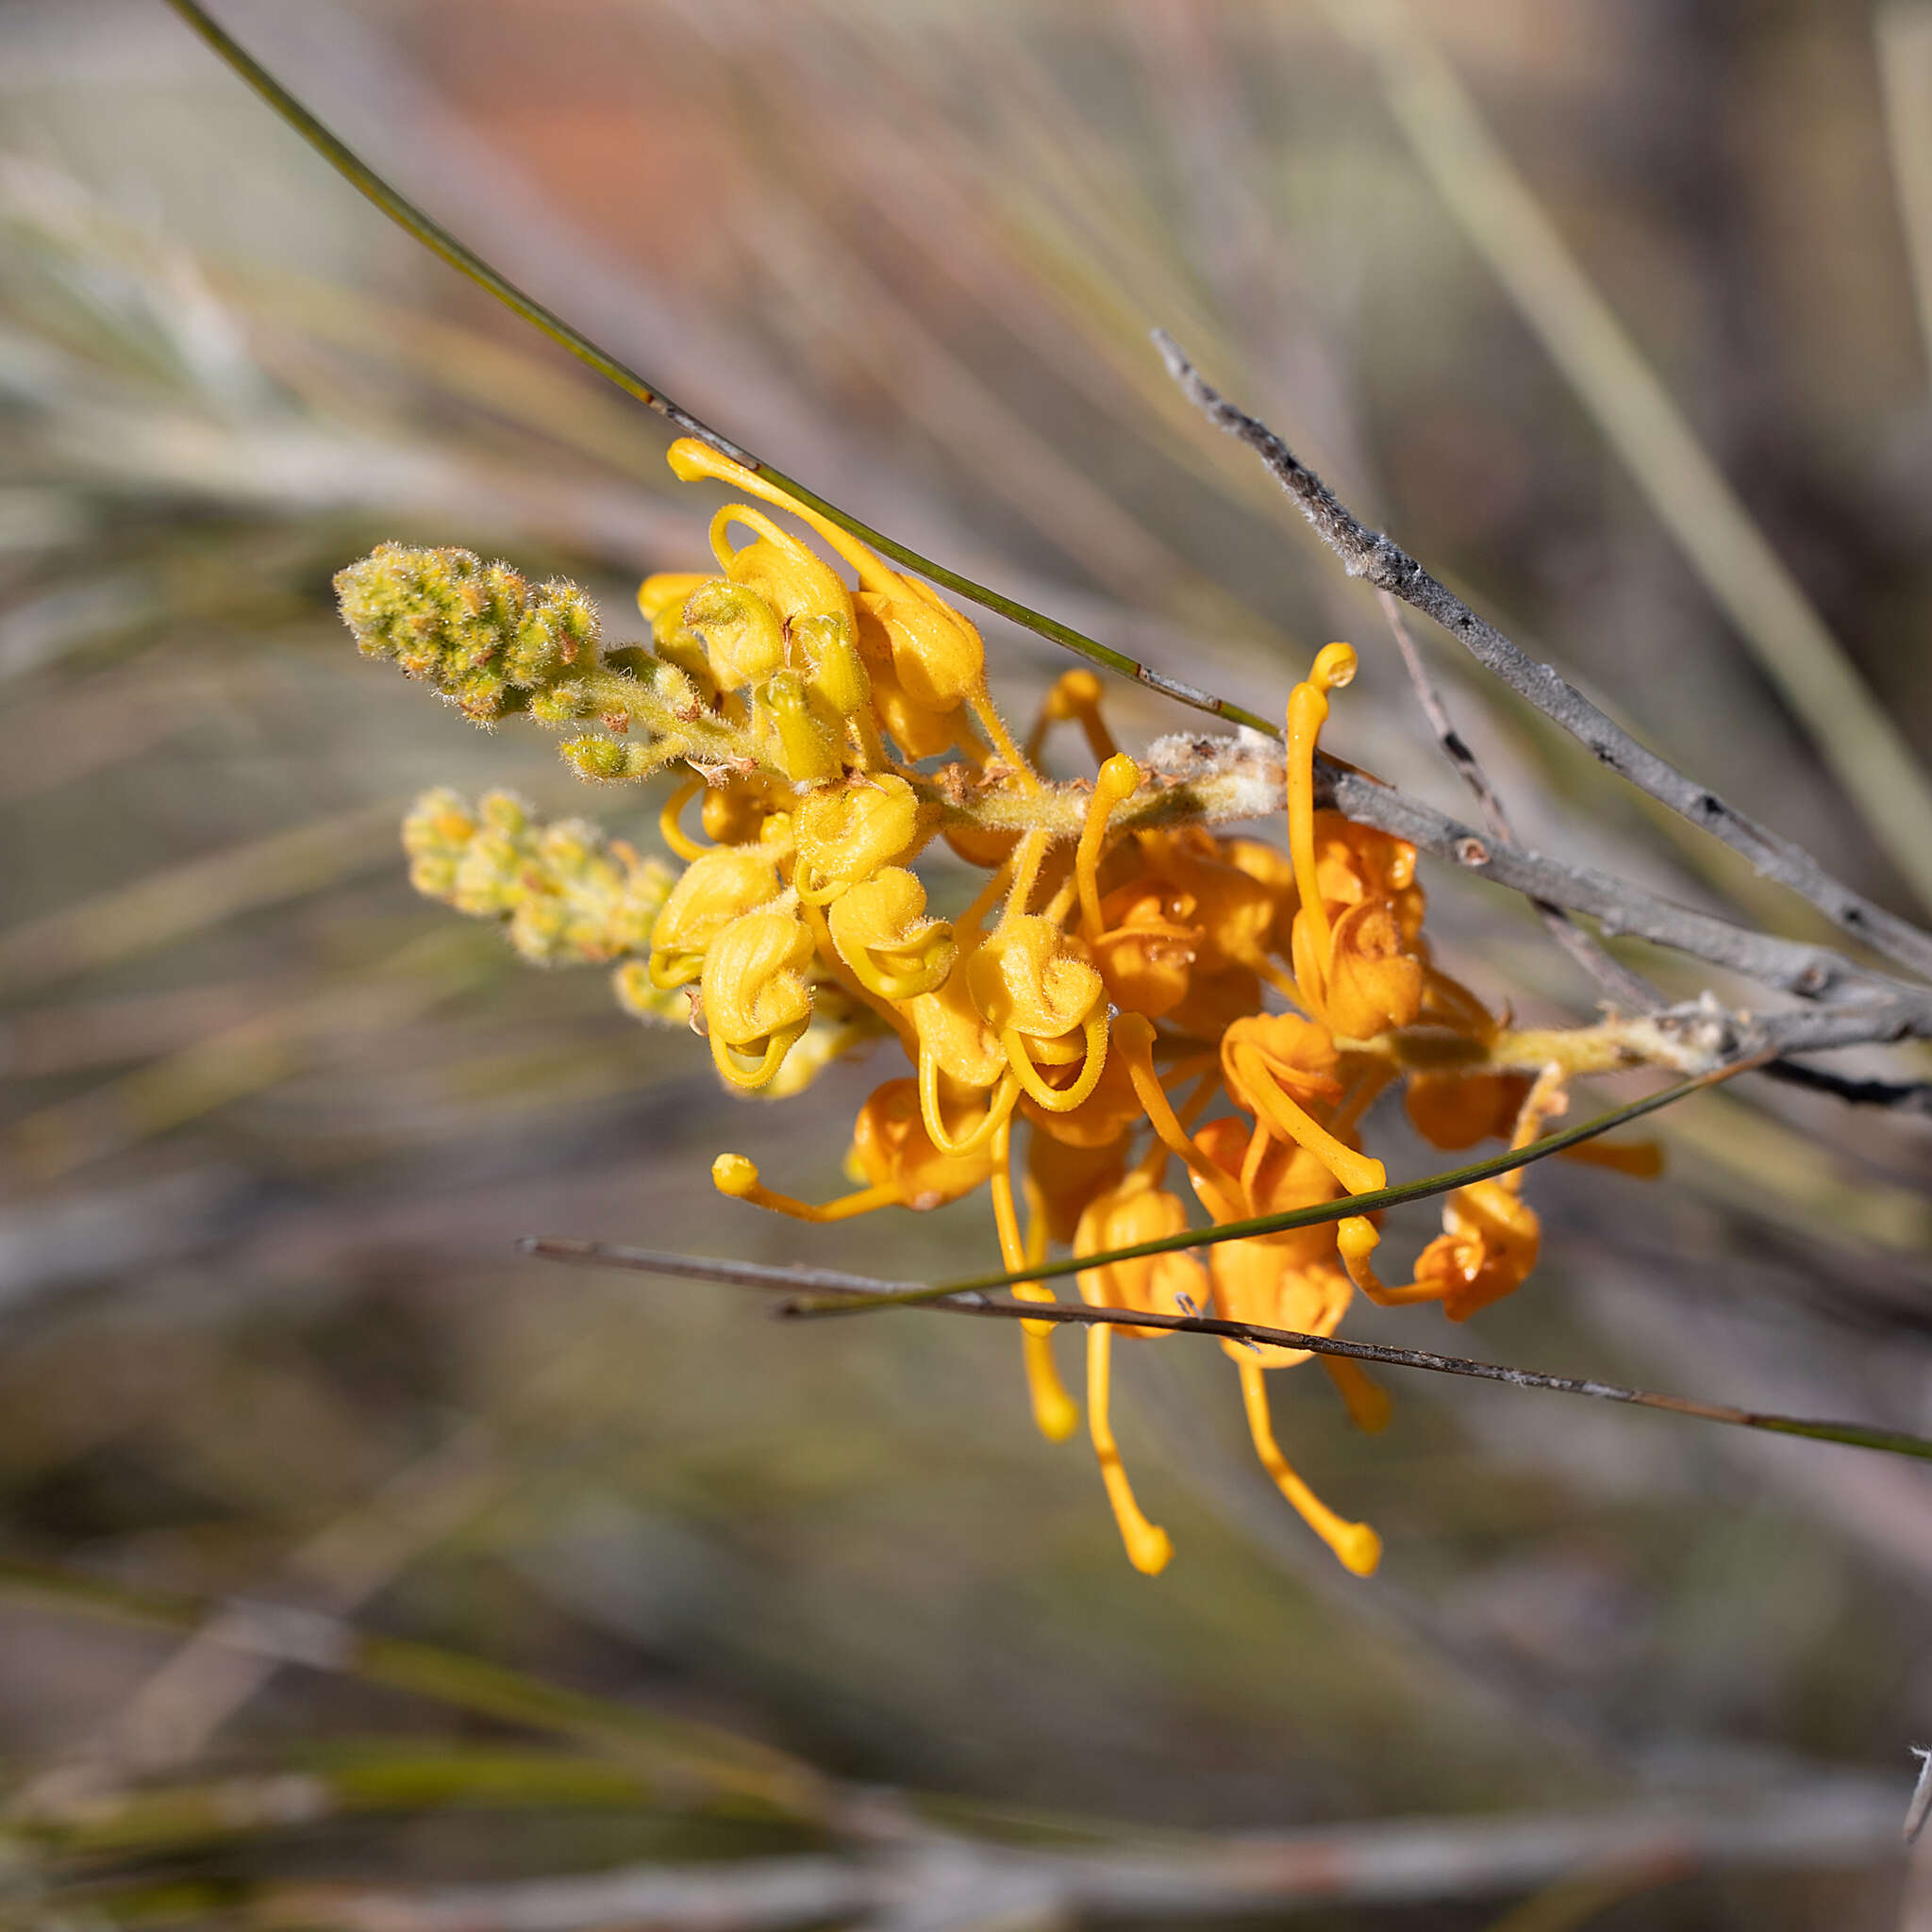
755	999
483	636
881	931
847	834
716	888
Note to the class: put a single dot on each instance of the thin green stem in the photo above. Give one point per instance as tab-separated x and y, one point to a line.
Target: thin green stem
439	240
1395	1196
884	1294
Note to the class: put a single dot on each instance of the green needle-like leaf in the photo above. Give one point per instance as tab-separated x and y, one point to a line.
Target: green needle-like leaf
439	240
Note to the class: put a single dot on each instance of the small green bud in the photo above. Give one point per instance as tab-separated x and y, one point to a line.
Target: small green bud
597	758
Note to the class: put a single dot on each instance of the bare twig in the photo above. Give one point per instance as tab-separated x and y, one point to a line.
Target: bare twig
1369	553
1609	973
1695	504
1895	1096
1813	973
966	1300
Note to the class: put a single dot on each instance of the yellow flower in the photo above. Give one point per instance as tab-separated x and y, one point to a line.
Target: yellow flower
881	931
755	999
1488	1248
1125	1215
892	1148
716	888
847	833
1372	984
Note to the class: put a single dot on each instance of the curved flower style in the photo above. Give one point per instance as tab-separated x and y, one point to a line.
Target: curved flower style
1036	989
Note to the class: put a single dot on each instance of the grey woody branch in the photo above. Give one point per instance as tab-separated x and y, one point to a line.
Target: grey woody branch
811	1283
1369	553
1629	989
1812	973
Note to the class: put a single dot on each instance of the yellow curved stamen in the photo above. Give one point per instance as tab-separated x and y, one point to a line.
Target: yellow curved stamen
1054	1413
1148	1545
919	976
1357	1546
729	1061
735	1175
1356	1239
1259	1143
1074	694
832	960
1133	1034
1357	1103
679	969
1026	874
1003	743
1365	1399
1118	780
1059	1099
1000	1103
1355	1171
1545	1099
670	821
689	459
1153	1163
1308	712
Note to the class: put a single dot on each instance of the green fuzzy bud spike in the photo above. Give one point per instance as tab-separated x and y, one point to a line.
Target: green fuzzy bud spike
486	637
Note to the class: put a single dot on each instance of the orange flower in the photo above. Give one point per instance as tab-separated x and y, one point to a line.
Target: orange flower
1134	1211
1371	985
1487	1250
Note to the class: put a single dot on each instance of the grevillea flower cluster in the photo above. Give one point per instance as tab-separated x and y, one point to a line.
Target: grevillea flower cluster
1132	1010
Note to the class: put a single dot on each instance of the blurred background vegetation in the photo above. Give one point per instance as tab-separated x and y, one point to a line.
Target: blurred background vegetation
271	1123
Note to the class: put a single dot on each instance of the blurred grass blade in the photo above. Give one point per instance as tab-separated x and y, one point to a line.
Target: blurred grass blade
438	239
691	1760
190	897
1694	500
1904	35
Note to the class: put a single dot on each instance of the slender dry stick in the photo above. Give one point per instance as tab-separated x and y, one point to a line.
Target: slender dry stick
1609	972
1370	553
1696	505
1814	972
839	1286
1904	35
438	239
966	1298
